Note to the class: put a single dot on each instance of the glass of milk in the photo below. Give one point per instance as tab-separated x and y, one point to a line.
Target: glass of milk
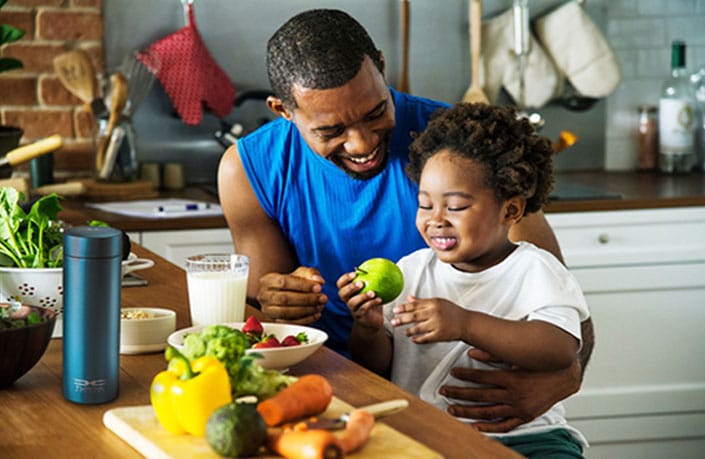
217	286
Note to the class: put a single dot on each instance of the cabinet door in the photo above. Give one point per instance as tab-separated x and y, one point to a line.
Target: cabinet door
176	246
643	274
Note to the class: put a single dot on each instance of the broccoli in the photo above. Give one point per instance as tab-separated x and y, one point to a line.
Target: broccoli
228	345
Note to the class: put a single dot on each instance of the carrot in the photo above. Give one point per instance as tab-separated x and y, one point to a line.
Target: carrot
308	396
304	444
357	431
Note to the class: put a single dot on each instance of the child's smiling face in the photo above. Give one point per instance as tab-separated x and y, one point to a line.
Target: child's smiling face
459	216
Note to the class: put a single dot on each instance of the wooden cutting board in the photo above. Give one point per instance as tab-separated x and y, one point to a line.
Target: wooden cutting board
138	426
93	190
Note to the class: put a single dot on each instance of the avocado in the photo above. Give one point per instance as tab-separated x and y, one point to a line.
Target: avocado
236	430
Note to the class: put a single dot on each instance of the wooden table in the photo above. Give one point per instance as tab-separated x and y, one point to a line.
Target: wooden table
36	421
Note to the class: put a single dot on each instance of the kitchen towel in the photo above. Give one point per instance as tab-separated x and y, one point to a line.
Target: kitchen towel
501	65
189	74
579	50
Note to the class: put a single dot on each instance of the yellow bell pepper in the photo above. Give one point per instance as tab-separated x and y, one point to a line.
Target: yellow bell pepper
187	393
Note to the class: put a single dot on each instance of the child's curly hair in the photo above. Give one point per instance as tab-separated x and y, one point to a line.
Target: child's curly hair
516	160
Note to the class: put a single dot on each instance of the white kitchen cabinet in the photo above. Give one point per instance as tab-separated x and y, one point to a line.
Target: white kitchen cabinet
643	274
176	246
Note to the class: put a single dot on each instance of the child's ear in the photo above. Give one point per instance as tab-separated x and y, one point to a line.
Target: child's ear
513	209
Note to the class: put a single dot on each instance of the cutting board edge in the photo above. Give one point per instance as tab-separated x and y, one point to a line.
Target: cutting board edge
138	442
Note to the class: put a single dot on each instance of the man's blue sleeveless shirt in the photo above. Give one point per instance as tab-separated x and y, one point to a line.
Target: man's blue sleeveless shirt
333	221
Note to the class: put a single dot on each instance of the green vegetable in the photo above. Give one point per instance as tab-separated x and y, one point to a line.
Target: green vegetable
236	430
30	240
228	345
16	315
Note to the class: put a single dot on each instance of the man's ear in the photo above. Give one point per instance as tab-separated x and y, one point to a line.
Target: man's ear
276	106
513	209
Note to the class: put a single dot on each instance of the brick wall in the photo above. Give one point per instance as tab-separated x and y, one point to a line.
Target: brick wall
33	98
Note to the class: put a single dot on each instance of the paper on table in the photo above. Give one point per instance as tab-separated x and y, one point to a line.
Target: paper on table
150	208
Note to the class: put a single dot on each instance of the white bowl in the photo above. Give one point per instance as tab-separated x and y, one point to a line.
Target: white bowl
44	286
276	358
141	335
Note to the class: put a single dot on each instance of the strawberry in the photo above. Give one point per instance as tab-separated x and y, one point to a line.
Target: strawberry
252	326
292	340
271	341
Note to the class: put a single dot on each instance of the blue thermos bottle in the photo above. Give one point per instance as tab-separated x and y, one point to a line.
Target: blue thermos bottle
91	335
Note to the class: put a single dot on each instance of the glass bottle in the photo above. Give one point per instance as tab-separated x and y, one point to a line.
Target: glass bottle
677	116
648	137
698	81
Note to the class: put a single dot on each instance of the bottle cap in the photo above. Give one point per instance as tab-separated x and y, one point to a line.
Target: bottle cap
92	242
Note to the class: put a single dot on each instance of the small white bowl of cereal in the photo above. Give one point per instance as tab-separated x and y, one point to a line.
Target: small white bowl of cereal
145	330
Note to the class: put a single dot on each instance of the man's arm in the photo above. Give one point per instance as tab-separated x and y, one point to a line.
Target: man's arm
535	228
254	234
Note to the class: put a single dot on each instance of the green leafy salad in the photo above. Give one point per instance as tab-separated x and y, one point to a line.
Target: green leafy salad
30	240
228	345
15	315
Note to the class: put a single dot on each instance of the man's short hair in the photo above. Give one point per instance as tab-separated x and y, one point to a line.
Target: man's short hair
317	49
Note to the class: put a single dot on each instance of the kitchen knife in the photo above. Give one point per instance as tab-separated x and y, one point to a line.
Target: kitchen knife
377	410
27	152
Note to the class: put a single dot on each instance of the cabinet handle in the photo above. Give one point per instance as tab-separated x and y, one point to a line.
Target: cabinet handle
603	238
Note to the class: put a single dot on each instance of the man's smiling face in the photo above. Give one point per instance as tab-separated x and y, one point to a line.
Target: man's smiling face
350	125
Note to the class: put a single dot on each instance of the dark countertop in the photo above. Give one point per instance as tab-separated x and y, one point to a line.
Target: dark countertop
636	190
576	192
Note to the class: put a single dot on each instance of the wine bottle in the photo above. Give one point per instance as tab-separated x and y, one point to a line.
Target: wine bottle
677	116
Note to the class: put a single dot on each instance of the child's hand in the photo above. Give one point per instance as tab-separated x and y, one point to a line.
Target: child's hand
430	320
365	307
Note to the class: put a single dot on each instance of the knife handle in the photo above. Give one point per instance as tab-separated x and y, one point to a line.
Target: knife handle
27	152
385	408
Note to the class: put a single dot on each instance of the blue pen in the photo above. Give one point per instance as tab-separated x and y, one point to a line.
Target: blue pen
184	207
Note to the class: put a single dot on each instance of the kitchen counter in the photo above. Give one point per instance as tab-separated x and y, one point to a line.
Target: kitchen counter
634	190
605	191
39	422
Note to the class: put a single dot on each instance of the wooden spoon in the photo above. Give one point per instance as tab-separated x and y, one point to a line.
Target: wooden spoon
118	99
474	92
404	77
76	72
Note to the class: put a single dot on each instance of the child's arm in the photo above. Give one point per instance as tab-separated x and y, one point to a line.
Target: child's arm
369	344
533	345
530	344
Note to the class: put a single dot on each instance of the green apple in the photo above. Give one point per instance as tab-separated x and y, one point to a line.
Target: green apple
381	276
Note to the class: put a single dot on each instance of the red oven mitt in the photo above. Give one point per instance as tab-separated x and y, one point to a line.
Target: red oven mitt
190	75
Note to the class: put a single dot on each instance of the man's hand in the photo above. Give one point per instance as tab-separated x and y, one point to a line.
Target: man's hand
292	298
515	396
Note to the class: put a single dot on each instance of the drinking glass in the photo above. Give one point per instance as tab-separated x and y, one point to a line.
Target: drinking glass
217	287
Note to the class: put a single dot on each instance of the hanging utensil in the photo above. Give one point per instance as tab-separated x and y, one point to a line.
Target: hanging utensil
522	47
403	85
474	92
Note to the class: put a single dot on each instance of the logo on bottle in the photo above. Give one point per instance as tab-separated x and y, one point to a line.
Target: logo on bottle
86	385
685	117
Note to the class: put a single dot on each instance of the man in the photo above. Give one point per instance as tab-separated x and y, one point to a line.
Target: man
314	193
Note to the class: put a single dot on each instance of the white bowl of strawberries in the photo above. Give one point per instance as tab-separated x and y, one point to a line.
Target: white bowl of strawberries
279	345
